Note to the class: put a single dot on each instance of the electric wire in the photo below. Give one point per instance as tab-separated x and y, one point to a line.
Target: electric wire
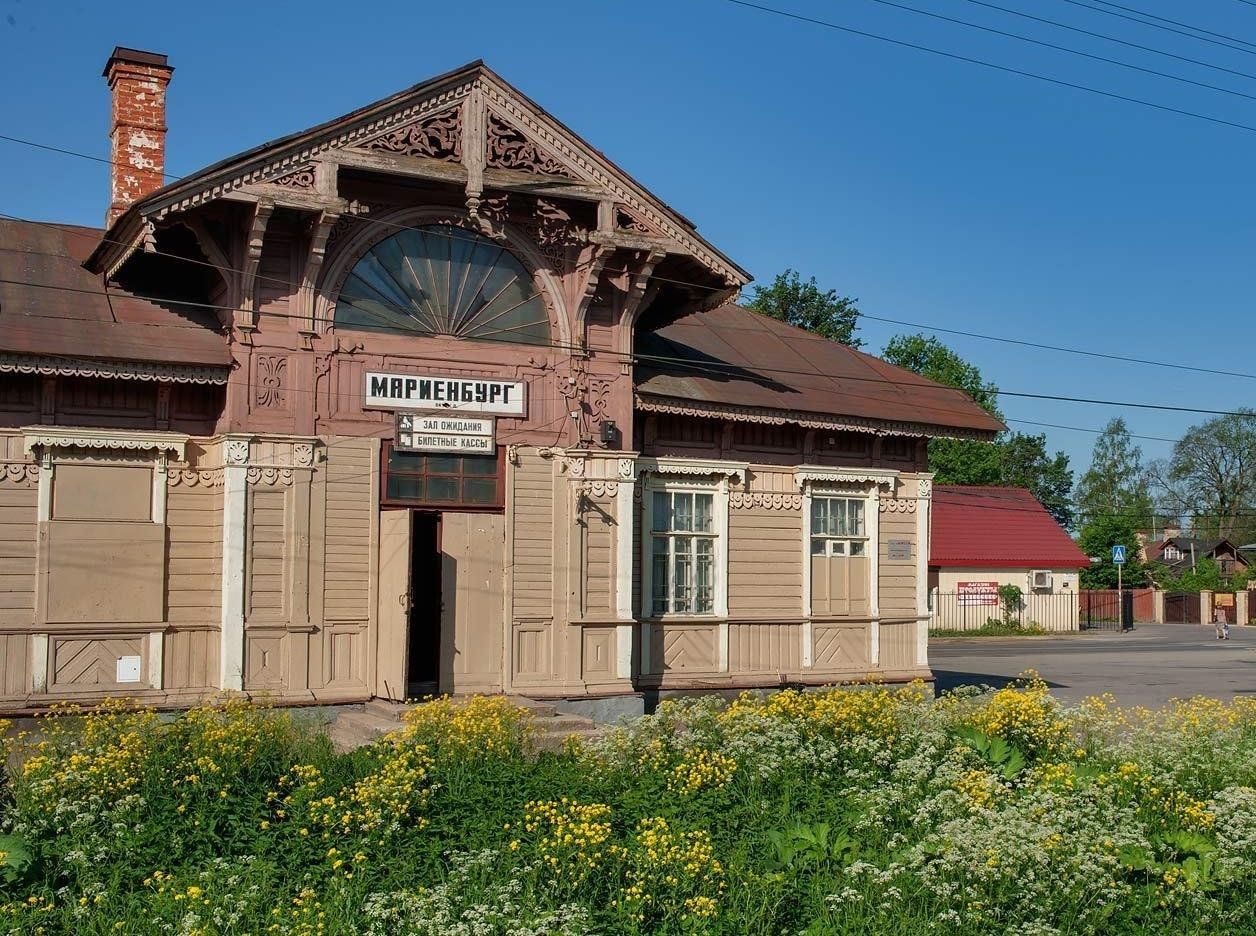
827	24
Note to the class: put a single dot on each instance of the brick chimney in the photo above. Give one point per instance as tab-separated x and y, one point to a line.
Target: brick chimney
137	129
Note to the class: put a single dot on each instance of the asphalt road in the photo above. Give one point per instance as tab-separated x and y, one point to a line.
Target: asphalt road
1146	666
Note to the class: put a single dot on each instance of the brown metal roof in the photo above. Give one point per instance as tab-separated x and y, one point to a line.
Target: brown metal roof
51	306
734	357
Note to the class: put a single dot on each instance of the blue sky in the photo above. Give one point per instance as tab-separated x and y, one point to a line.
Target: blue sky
935	191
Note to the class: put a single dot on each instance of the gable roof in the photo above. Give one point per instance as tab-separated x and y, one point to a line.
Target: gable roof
1202	549
732	359
52	307
273	159
997	527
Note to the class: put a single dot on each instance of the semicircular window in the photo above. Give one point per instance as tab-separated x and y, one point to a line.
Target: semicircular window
442	280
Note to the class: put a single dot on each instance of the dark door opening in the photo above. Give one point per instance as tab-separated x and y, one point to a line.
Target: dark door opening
423	669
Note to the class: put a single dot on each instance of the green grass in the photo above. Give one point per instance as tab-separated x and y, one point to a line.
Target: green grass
994	628
847	812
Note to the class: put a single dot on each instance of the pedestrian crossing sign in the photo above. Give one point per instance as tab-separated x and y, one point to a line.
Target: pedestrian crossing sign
1118	555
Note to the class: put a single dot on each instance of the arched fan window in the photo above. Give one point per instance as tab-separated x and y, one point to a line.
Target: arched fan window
442	280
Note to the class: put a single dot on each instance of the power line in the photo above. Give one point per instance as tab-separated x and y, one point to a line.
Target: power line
985	64
1153	16
1108	38
294	285
1154	25
1060	48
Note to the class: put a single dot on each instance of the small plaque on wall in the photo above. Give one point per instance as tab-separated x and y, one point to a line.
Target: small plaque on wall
898	549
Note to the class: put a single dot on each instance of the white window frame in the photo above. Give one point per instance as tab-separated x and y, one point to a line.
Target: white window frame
1172	553
869	491
718	489
846	540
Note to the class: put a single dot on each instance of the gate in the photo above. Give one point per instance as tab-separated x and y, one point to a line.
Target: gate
1182	608
1106	610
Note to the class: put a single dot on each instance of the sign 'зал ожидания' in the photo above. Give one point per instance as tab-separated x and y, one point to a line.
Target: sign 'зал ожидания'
436	391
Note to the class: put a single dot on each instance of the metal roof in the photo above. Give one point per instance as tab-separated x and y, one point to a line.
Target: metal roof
997	527
51	306
734	356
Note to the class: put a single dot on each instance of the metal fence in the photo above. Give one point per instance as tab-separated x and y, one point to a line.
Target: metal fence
1052	612
1111	609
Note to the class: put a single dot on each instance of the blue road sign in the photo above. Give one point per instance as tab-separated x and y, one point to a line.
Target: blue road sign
1118	555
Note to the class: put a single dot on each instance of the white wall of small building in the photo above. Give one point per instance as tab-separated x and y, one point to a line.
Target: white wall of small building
1049	608
948	579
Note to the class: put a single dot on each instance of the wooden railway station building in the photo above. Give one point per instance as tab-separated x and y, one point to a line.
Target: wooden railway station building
433	396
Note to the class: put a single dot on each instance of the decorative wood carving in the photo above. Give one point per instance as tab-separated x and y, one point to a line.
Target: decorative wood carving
438	136
628	221
510	148
271	369
247	321
269	476
302	178
303	454
320	233
208	477
770	417
747	499
236	452
24	473
473	154
216	254
121	370
898	505
600	488
926	487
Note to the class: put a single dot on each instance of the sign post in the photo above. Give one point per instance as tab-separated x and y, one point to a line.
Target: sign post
1118	560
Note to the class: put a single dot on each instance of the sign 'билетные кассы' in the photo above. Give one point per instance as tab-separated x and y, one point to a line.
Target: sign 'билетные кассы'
445	432
437	392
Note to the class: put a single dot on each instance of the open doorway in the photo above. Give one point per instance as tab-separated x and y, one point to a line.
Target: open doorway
426	605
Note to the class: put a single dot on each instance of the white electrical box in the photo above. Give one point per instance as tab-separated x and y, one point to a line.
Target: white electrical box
128	669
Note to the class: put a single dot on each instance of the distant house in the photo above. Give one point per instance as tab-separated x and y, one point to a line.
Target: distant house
984	537
1180	553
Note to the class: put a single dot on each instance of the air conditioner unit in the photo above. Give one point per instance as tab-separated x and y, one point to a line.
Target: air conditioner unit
1040	579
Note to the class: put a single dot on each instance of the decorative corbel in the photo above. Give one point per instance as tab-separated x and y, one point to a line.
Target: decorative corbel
247	321
639	285
216	254
593	258
320	229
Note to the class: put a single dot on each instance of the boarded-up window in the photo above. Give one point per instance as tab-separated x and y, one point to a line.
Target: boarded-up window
103	556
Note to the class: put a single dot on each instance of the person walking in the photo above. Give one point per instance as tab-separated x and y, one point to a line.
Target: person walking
1221	625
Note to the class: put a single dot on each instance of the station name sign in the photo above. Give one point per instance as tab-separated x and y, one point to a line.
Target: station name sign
423	432
435	391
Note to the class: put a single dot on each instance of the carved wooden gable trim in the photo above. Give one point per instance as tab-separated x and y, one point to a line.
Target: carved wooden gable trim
468	117
511	148
438	136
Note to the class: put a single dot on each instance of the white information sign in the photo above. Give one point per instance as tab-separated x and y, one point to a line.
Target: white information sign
445	432
435	391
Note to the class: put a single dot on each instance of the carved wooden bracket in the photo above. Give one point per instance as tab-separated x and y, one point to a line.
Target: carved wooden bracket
216	254
246	321
320	230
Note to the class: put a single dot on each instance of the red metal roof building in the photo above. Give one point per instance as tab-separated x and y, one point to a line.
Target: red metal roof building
998	527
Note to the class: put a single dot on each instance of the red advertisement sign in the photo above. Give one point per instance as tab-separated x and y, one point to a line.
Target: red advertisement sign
978	593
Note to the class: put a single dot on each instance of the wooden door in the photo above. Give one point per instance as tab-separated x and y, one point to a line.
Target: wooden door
473	548
394	604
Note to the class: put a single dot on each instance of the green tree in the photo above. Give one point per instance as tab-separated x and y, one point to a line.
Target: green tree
1211	476
1116	481
1098	535
805	305
1024	462
1014	459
